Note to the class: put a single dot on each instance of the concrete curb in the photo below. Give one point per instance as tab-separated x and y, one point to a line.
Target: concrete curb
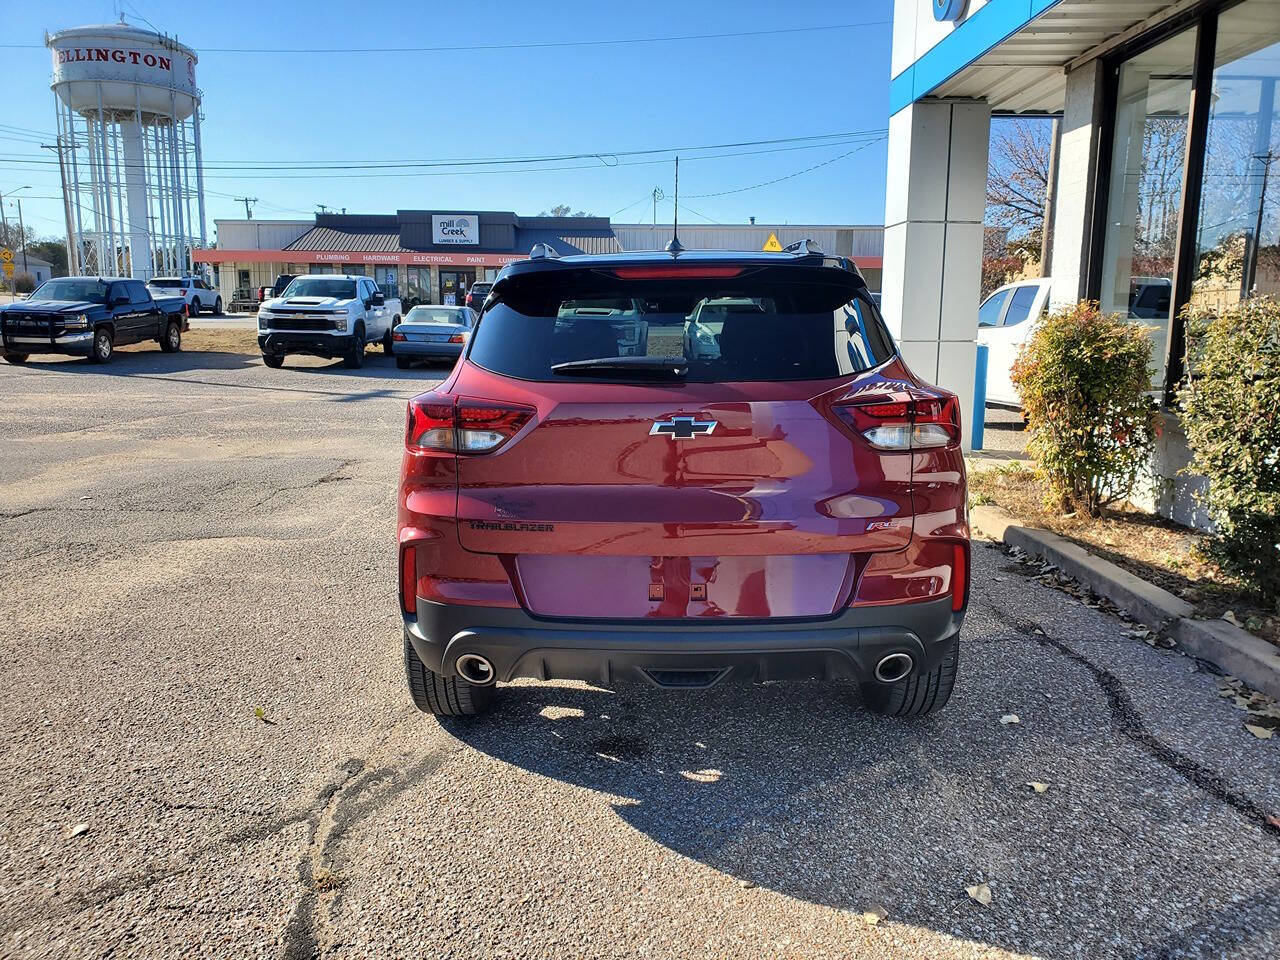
1223	644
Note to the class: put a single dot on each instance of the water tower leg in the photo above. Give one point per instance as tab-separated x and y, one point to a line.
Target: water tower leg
135	188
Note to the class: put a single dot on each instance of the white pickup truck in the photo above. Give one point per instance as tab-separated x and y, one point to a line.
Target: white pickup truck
326	315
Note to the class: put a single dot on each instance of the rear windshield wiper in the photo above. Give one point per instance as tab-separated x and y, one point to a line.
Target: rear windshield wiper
673	367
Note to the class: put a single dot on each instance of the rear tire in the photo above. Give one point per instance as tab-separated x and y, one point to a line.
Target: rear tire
16	358
171	342
386	337
273	360
217	307
920	693
442	696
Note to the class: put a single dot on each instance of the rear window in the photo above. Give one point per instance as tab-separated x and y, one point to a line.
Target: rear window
773	324
165	283
447	315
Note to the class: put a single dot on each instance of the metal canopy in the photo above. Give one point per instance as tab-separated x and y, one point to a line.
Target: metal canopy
1026	72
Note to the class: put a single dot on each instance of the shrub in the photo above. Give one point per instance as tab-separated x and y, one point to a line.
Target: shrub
24	283
1083	377
1231	412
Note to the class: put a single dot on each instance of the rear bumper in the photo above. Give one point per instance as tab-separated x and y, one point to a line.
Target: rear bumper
519	645
316	344
426	351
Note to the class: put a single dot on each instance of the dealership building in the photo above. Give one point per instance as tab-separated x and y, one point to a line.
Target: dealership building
433	256
1164	161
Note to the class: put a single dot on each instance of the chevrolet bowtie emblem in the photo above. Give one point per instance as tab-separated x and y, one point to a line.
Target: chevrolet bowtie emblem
683	428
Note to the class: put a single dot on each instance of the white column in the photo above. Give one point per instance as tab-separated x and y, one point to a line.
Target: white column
936	194
1077	174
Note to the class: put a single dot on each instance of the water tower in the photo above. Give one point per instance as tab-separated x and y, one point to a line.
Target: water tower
129	147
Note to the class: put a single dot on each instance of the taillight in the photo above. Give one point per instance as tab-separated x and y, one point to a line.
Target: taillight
409	580
399	336
457	338
922	422
459	425
485	427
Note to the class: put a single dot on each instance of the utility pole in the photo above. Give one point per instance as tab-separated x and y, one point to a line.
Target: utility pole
22	231
72	269
248	210
4	222
1251	267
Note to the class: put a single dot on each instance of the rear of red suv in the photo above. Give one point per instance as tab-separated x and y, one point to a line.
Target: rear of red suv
684	469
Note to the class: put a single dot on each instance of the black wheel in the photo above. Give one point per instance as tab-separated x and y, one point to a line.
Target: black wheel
103	345
195	307
920	693
443	696
217	307
355	357
171	342
16	358
403	363
273	360
386	337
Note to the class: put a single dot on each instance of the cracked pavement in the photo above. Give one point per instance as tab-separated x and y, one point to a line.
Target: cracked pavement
201	665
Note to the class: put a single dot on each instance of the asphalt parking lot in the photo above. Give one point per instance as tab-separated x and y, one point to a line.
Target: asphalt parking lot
209	750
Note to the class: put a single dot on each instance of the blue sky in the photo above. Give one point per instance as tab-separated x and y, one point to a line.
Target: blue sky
474	103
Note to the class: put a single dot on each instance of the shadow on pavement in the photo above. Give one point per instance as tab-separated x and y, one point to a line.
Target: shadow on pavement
796	788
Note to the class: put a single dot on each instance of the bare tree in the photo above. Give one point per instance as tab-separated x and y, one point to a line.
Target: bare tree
1018	172
563	210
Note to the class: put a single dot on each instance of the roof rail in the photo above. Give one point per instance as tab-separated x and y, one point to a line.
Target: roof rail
543	251
803	247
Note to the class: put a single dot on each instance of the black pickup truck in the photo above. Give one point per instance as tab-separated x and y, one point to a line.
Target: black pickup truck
90	317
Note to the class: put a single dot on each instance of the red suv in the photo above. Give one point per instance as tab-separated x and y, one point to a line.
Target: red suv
690	468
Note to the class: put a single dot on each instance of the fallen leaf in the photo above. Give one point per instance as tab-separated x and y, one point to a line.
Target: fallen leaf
79	830
262	715
1273	820
1037	786
1231	617
981	893
874	914
1262	733
1010	718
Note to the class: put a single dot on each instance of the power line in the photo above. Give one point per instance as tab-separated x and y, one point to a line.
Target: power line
789	176
602	156
544	45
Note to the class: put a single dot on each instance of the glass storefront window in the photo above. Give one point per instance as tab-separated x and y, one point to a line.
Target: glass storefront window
1152	110
388	281
1243	139
417	286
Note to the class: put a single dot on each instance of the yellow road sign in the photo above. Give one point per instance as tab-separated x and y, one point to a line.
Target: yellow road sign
6	255
8	268
772	245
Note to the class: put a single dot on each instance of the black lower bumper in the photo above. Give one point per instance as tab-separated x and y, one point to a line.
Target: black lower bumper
604	652
315	344
77	343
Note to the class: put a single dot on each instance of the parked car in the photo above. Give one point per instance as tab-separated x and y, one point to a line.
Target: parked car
275	289
195	293
476	295
792	507
1005	321
431	333
90	316
326	315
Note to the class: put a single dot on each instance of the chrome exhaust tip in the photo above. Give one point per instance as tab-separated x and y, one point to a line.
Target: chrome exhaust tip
894	667
476	669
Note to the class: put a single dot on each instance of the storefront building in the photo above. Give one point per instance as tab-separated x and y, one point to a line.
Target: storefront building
421	256
425	256
1167	189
